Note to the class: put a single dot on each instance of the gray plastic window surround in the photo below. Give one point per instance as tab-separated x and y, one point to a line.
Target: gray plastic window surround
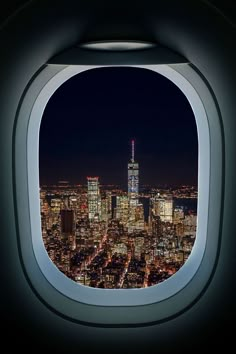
195	273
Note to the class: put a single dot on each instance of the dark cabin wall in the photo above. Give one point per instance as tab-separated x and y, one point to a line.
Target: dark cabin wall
24	317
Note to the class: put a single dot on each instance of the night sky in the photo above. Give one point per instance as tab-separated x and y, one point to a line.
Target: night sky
89	122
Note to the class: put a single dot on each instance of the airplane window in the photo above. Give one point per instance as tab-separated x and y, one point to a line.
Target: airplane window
115	181
118	168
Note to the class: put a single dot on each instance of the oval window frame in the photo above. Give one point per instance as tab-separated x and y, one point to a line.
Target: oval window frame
191	278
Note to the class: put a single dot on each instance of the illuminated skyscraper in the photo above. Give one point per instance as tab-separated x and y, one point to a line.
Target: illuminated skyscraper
163	207
56	205
133	180
135	216
94	198
168	209
122	208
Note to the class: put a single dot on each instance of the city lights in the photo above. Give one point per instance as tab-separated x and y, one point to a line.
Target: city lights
122	142
106	237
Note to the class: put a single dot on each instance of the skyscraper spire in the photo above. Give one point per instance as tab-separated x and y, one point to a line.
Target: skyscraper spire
133	178
132	159
133	191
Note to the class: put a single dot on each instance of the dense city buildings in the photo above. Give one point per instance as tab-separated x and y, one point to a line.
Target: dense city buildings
107	237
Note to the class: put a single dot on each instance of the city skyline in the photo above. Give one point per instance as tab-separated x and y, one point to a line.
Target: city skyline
79	138
117	238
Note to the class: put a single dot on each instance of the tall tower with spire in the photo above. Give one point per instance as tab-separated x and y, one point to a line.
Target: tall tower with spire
133	179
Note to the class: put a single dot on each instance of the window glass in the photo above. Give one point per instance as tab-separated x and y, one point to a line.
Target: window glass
118	178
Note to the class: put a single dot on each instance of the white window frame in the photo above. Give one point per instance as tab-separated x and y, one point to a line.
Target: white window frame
184	286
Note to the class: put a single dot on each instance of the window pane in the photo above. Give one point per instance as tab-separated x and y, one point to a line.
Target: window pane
118	178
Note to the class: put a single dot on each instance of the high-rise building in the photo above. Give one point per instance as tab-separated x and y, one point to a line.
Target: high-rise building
136	213
56	205
122	208
82	205
133	179
67	221
163	207
156	226
133	185
178	215
105	207
168	209
94	199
